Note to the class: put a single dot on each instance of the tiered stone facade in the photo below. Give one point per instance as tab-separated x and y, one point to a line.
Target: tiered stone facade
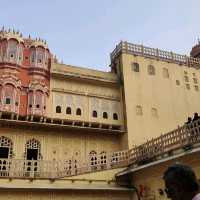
70	130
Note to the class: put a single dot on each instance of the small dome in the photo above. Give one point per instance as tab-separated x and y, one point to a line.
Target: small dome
195	53
11	34
39	42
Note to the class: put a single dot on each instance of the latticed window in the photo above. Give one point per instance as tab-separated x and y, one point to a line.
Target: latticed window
103	158
30	99
12	49
78	111
93	159
165	73
115	116
68	110
40	55
9	94
33	150
33	55
38	99
6	147
139	110
151	70
135	67
94	113
58	109
105	115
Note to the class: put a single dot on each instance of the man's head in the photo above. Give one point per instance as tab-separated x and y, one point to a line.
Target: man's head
180	182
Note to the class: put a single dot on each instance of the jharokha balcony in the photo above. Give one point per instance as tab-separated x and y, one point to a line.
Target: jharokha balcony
182	139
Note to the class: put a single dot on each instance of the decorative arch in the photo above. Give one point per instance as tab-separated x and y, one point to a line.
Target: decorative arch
10	80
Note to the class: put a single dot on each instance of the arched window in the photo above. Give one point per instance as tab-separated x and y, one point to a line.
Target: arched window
94	113
33	54
151	70
115	116
9	92
135	67
78	111
105	115
58	109
6	147
12	54
33	150
40	55
68	110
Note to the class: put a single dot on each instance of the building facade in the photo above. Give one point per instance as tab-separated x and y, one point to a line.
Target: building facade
66	131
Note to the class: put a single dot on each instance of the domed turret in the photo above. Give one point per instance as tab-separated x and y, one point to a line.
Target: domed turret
39	42
11	45
40	54
195	53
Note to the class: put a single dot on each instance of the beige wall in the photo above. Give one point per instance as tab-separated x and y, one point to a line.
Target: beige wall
173	103
63	145
97	185
150	178
100	92
68	195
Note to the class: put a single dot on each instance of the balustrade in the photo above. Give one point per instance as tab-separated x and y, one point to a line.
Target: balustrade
179	138
154	53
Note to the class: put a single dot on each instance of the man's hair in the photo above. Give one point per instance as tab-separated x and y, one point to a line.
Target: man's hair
183	175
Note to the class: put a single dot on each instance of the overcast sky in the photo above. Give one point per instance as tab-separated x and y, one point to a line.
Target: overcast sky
84	32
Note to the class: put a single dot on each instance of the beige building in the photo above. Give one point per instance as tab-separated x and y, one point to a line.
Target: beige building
68	132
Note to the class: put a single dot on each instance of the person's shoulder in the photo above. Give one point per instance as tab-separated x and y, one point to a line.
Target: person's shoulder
196	197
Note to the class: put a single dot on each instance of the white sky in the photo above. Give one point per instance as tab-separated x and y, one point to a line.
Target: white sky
84	32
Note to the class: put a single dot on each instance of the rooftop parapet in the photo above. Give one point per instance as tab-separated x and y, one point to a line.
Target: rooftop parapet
11	34
39	42
196	50
140	50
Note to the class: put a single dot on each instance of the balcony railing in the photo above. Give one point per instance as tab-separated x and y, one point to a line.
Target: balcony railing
154	53
183	137
14	168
